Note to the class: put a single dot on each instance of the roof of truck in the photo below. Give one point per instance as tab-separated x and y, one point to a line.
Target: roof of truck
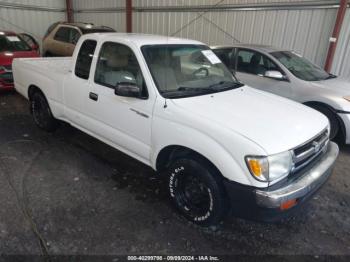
261	48
146	39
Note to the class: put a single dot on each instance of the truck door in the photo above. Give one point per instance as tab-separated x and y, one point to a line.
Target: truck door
251	68
123	121
77	85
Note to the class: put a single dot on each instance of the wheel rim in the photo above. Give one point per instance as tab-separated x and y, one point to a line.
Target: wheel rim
193	196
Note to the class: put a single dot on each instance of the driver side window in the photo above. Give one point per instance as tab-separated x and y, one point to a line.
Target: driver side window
255	63
118	64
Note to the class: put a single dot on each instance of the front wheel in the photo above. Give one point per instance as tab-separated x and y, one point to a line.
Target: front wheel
332	117
197	192
41	113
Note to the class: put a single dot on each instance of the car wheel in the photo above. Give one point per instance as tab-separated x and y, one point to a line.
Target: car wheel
197	192
41	113
334	122
47	54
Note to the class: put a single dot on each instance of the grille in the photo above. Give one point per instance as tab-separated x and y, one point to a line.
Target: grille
306	153
6	78
8	67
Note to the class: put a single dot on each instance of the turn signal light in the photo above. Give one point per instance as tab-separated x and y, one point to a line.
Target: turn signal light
255	167
288	204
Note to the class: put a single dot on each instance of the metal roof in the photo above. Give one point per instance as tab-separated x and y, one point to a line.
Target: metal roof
261	48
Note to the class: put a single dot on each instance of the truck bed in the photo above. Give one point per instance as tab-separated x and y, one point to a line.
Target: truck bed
45	73
59	65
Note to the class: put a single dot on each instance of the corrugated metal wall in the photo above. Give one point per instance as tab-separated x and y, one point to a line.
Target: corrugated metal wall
341	63
306	30
115	20
24	18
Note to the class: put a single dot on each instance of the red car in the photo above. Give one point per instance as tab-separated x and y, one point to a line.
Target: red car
12	46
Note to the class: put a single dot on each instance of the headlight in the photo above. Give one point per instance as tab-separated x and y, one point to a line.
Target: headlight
347	98
270	168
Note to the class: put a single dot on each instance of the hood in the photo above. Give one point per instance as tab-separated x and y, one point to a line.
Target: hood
274	123
337	85
7	57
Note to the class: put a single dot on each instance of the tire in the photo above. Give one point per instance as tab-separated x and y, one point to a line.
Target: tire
41	113
47	54
197	191
334	122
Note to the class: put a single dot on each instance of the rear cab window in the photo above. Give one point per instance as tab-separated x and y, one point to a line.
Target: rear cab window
84	59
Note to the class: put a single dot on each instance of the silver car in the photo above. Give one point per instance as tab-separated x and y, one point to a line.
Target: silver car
288	74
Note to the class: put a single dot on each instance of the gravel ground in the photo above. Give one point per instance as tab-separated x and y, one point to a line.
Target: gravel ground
69	194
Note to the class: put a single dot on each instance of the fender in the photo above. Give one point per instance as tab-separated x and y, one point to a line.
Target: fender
208	147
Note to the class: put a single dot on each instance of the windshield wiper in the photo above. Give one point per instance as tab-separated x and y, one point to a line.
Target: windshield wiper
225	85
331	76
186	90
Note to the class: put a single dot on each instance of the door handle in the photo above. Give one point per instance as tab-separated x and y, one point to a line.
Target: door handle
93	96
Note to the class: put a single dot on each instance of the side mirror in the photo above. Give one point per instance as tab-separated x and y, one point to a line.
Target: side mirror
127	89
274	75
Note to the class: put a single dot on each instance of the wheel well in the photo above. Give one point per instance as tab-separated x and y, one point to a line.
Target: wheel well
315	103
340	121
33	89
170	153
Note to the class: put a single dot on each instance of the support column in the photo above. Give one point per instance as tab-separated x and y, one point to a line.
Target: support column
128	16
336	31
69	9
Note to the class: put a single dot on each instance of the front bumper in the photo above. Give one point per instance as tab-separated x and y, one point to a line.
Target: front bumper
265	204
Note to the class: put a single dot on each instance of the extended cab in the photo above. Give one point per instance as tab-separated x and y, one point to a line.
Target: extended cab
172	104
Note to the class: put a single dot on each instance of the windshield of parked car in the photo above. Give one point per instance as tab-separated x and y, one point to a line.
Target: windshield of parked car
187	70
301	67
13	43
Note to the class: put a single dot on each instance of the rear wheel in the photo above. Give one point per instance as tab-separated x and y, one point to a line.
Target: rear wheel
41	112
332	117
197	192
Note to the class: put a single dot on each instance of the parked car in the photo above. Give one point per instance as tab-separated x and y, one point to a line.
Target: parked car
61	37
171	104
30	40
12	46
290	75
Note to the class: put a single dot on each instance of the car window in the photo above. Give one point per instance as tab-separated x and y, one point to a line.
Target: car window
62	34
84	59
301	67
252	62
118	64
183	70
226	55
13	43
74	36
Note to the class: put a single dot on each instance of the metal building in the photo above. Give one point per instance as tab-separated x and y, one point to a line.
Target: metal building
302	25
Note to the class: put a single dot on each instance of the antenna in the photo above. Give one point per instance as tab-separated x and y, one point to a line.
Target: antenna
165	104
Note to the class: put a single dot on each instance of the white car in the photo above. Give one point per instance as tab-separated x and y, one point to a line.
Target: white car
172	104
287	74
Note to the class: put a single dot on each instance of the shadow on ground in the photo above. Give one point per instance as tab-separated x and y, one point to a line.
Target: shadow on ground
67	193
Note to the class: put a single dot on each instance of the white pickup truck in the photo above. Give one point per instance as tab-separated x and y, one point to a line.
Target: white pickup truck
171	104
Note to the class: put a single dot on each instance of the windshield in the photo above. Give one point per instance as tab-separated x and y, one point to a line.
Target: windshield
187	70
13	43
300	67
